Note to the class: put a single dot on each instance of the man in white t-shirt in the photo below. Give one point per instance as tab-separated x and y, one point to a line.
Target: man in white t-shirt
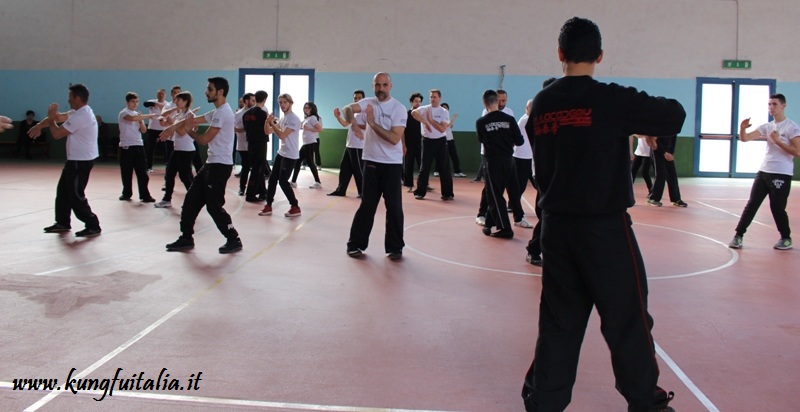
154	128
80	128
434	120
383	168
287	129
131	149
352	163
208	188
774	177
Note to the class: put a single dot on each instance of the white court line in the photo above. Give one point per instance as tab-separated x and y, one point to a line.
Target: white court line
50	396
685	379
734	214
236	402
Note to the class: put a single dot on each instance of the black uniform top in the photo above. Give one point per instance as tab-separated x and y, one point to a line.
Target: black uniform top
499	133
579	131
413	132
666	144
253	121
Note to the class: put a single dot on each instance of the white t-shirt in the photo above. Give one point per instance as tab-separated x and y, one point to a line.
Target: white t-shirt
439	114
310	137
154	123
183	142
507	110
241	137
643	149
290	146
776	159
82	140
220	149
524	151
388	114
353	141
129	134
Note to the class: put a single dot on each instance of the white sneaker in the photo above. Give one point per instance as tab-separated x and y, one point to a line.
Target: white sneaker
435	174
480	220
316	185
523	223
460	174
293	184
163	204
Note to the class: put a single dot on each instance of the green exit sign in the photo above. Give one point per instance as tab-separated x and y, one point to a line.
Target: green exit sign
276	55
737	64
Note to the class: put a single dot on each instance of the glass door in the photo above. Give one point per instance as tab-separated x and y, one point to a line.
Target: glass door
722	104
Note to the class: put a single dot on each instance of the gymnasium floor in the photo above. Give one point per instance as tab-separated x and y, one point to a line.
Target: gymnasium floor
292	323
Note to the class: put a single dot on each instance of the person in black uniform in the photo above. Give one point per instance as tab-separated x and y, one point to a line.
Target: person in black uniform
413	142
499	133
664	159
579	129
257	131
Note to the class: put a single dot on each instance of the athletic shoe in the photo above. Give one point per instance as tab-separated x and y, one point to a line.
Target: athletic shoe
535	260
435	174
266	211
487	230
231	246
238	174
524	224
183	243
655	203
419	197
395	255
336	193
459	174
680	203
736	243
293	211
480	220
241	193
783	244
88	232
447	198
316	185
475	181
123	197
148	200
252	199
410	189
293	184
163	204
354	252
149	170
57	228
503	234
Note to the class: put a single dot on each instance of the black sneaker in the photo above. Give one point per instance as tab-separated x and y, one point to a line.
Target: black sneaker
447	198
535	260
148	200
503	234
88	232
395	255
124	198
487	230
354	252
57	228
231	246
680	203
183	243
336	193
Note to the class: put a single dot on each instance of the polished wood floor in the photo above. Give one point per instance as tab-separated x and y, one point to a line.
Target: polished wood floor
291	323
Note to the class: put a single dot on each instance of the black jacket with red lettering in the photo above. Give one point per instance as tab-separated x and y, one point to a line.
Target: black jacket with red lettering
579	130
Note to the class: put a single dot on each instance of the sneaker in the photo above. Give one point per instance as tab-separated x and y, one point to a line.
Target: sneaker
736	243
475	181
252	199
241	193
783	244
293	211
459	174
336	193
435	174
149	170
266	211
419	197
535	260
231	246
124	198
480	220
238	174
680	203
148	200
316	185
163	204
503	234
57	228
293	184
354	252
88	232
447	198
410	189
524	224
183	243
655	203
395	255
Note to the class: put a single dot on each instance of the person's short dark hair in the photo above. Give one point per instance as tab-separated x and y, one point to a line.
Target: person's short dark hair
501	91
187	96
220	83
261	96
30	113
548	82
437	91
247	96
416	94
130	96
781	98
445	105
80	91
580	41
490	97
361	92
175	87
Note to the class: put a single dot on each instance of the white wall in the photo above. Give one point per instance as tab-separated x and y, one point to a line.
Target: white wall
642	38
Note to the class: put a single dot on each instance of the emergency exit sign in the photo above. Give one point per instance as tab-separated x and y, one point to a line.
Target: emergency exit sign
737	64
276	55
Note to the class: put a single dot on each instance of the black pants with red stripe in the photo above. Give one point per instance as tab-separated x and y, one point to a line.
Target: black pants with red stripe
592	261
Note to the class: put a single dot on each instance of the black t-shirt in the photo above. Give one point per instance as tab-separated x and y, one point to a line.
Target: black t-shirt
499	133
579	131
413	132
253	120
